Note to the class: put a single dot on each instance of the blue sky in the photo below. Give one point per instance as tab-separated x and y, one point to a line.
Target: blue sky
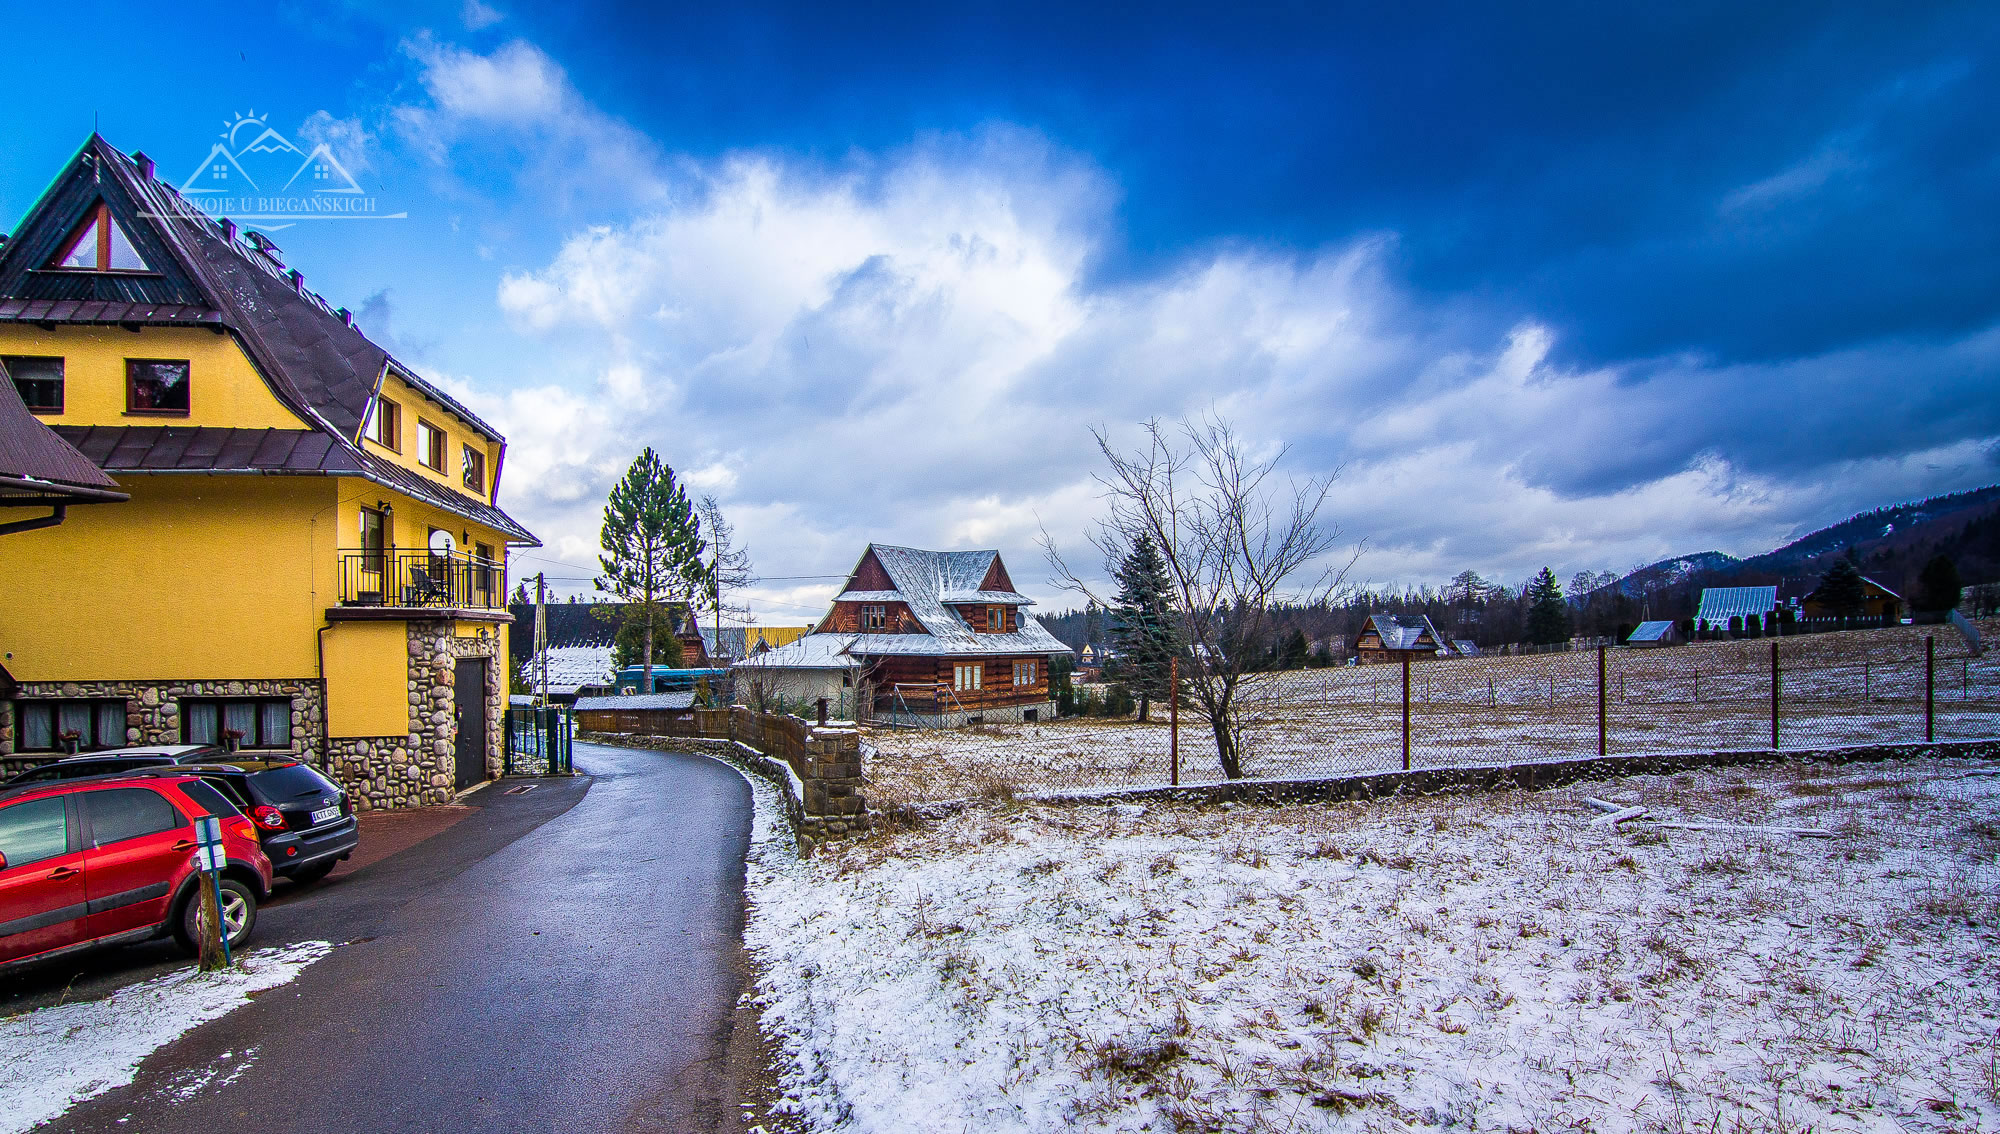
1578	285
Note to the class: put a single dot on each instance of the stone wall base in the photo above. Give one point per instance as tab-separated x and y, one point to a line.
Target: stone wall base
152	711
1004	714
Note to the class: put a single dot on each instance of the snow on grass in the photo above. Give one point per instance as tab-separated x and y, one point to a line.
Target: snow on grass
1477	962
53	1058
1858	687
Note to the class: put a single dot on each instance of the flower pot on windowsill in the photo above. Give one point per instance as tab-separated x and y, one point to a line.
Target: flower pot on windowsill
72	740
232	739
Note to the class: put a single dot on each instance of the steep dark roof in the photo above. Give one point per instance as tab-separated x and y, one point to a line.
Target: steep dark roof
36	463
183	448
316	363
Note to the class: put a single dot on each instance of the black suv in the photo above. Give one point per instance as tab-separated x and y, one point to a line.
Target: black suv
304	820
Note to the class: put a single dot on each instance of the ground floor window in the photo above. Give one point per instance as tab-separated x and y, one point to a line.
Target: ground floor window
53	726
261	722
965	677
1024	672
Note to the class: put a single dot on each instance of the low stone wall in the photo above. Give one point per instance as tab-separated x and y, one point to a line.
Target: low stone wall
1531	776
822	784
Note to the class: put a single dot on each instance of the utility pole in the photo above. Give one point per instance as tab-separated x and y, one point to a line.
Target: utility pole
542	637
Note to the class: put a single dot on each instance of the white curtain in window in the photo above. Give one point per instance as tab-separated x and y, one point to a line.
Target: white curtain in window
199	723
275	729
38	726
241	717
74	716
110	724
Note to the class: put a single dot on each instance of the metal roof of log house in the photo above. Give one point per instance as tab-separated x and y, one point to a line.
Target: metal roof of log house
928	582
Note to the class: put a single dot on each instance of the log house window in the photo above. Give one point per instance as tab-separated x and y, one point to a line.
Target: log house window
430	445
385	425
39	381
473	469
1024	672
157	386
996	620
262	722
966	678
873	618
42	726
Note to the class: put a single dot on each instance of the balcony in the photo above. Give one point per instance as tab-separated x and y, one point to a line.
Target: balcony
419	584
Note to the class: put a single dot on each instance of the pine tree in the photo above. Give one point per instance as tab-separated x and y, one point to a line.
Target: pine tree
1938	585
1143	628
652	546
1548	614
1296	652
1842	590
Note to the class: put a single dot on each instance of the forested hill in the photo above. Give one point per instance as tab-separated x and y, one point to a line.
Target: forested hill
1892	545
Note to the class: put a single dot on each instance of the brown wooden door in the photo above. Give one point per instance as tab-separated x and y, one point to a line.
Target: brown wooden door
469	706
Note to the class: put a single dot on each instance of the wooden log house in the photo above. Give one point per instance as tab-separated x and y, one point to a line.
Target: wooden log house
943	638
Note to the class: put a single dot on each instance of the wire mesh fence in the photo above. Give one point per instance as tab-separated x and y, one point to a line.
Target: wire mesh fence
1820	691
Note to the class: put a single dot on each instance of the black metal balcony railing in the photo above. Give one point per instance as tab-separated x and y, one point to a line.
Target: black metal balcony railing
420	579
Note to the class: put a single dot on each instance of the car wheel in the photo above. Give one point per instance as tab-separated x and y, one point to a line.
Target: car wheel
239	915
314	873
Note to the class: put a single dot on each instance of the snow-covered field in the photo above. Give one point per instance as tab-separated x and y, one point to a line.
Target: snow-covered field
53	1058
1469	962
1836	689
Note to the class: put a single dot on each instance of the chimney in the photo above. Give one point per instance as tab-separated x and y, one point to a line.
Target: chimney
144	163
228	229
346	316
298	279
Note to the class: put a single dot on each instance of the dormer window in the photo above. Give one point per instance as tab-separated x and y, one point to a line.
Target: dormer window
996	620
873	617
99	245
472	470
430	446
385	425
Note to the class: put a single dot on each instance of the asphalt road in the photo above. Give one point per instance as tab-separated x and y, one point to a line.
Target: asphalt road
569	958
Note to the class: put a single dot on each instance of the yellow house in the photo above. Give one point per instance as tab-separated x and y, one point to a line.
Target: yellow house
312	560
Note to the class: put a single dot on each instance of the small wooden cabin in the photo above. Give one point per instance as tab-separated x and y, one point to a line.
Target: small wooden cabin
1393	637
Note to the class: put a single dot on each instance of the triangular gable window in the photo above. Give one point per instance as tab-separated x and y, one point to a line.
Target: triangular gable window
101	246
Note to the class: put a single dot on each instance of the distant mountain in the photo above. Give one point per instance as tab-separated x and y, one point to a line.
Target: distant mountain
1891	544
1668	572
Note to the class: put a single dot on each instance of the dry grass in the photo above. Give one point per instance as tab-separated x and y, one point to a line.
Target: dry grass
1850	688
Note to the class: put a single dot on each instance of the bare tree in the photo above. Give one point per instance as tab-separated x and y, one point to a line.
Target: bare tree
1233	539
729	571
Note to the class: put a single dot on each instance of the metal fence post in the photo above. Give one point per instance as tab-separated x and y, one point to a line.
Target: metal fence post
1406	712
1603	730
1930	689
1776	684
1174	721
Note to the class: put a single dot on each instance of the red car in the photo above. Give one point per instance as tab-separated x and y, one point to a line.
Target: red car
111	861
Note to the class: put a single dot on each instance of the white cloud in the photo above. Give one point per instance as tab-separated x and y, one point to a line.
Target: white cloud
478	17
912	347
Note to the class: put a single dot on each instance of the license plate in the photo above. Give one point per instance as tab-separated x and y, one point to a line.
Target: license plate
325	814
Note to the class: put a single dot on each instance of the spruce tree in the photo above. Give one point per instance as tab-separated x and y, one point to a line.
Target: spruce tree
1841	590
1142	624
1938	585
652	547
1548	614
1296	652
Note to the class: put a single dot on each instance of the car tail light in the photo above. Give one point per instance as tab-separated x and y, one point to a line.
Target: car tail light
268	817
